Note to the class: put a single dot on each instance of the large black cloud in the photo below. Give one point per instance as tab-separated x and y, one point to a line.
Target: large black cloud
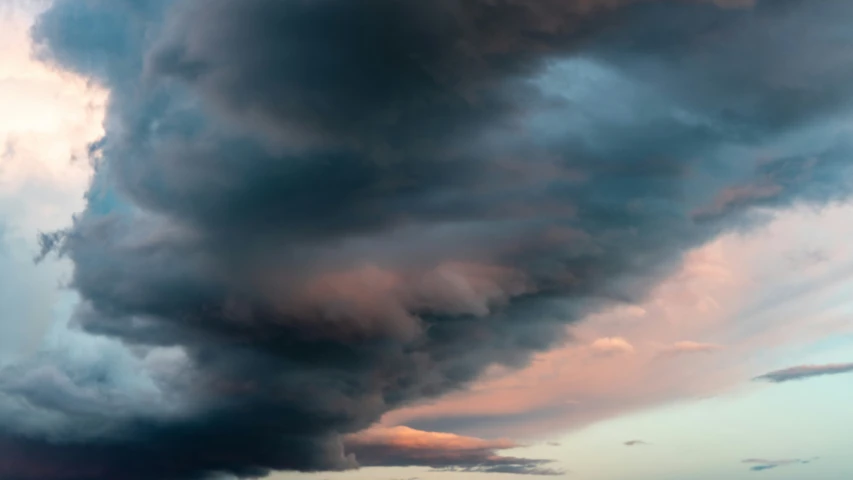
323	210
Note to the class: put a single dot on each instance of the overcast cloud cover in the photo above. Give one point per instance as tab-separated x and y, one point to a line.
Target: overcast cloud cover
306	214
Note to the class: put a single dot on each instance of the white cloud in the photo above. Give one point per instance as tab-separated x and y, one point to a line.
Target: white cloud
47	119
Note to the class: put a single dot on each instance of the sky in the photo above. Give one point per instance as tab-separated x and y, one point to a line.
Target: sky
384	240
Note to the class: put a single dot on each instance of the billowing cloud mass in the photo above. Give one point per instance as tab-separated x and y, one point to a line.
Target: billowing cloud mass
803	372
402	446
307	214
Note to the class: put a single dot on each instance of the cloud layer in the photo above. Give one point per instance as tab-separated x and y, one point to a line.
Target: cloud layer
308	214
402	446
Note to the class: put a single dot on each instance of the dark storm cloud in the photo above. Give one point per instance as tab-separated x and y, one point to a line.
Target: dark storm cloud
803	372
309	213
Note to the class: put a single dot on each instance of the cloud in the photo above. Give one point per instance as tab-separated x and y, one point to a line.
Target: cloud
402	446
611	346
735	197
318	205
690	347
634	443
760	465
523	469
803	372
733	291
47	120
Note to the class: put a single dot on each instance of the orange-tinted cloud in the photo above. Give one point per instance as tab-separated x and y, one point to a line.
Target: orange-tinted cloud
368	299
734	197
403	446
696	335
690	347
612	346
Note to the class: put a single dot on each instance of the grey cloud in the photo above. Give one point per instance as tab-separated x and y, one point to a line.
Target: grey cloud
634	443
803	372
518	468
481	461
760	465
332	209
808	258
403	446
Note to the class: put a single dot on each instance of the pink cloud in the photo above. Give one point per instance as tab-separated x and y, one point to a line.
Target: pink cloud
403	446
370	301
612	346
738	196
405	438
731	298
691	347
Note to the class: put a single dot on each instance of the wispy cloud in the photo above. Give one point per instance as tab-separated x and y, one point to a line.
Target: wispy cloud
520	469
690	347
738	196
803	372
635	443
760	464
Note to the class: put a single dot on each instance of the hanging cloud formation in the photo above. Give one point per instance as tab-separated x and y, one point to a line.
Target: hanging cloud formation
402	446
309	213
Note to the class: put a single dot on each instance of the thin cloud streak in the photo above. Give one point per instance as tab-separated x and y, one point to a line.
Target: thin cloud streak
687	347
803	372
760	465
405	447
